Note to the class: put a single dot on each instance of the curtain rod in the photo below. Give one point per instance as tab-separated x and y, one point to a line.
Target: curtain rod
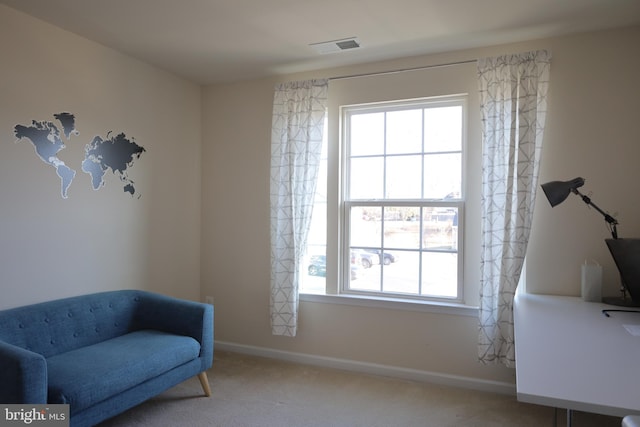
403	70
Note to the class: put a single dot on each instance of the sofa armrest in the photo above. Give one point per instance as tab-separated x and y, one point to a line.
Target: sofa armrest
23	377
181	317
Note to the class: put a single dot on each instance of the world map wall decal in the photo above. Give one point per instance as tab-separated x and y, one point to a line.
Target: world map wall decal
115	154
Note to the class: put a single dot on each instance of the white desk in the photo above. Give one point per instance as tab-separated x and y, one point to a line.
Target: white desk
569	355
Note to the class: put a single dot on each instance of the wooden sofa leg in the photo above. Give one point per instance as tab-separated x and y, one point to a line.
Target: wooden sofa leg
204	382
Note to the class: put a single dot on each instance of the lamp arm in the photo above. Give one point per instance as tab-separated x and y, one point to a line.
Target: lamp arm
608	218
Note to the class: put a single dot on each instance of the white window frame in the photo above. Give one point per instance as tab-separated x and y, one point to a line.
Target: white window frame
429	82
345	203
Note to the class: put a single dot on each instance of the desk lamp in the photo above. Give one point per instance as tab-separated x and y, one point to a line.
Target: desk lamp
625	252
558	191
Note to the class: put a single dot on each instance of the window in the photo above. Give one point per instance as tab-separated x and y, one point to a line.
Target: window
402	200
401	179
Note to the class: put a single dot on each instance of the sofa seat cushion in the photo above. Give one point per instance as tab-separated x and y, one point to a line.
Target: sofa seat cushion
88	375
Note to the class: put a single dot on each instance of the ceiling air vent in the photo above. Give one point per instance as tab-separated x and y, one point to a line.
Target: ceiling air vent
336	45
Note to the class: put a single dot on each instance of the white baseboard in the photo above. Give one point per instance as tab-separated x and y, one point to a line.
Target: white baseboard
372	368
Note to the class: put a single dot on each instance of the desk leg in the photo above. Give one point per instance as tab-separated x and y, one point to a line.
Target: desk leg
569	417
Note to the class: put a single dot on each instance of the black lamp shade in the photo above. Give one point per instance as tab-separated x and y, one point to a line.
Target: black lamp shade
558	191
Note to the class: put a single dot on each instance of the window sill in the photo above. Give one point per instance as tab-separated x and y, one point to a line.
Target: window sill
393	304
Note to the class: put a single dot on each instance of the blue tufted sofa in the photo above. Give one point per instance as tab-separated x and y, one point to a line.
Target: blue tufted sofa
103	353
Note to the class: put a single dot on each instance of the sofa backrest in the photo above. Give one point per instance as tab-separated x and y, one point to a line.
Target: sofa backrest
58	326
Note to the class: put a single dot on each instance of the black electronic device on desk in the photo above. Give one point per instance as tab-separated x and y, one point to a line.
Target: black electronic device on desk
626	254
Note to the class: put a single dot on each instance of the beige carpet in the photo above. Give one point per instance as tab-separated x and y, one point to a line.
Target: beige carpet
255	392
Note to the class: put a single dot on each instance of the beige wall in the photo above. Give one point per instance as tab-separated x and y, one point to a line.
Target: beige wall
95	240
593	106
593	133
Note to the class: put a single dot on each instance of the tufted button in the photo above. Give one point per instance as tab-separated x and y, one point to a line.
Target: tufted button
69	314
116	324
98	330
21	326
46	320
75	335
53	342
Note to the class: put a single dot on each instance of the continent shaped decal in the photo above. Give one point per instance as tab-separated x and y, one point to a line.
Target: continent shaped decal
45	137
116	154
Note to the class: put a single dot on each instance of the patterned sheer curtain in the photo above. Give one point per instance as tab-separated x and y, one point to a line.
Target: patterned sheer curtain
513	93
299	110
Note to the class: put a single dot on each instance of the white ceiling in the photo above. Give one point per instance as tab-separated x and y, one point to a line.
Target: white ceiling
213	41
